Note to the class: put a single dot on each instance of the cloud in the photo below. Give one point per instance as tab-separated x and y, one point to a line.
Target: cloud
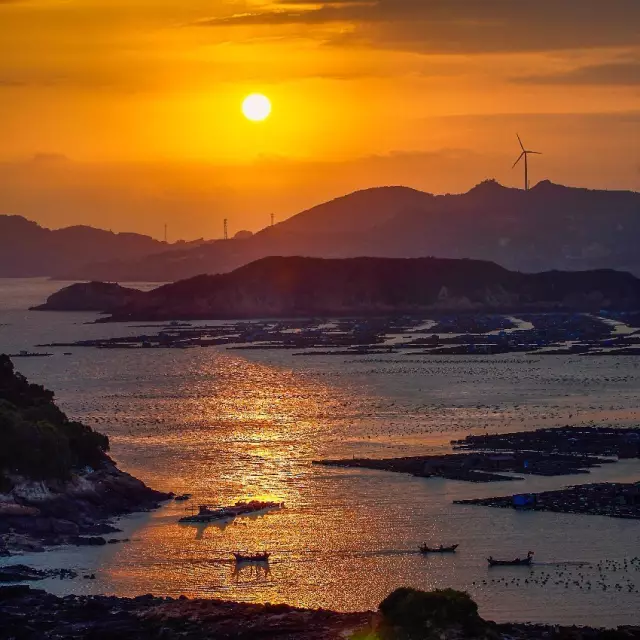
612	73
459	26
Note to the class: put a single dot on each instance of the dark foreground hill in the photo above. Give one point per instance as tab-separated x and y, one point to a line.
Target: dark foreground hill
303	287
29	250
549	227
406	614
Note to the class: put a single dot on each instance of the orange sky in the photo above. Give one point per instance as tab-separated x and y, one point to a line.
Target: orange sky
126	113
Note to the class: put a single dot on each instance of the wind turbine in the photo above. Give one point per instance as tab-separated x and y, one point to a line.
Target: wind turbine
525	154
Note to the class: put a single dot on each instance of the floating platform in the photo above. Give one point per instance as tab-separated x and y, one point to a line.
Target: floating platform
208	514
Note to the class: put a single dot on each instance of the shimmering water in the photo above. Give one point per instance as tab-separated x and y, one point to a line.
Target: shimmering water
226	425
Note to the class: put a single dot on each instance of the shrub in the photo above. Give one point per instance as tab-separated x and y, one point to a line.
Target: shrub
418	613
37	440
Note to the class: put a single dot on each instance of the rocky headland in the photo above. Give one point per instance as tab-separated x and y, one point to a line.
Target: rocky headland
89	296
57	482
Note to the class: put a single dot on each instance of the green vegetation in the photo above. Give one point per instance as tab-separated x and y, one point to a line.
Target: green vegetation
37	440
411	613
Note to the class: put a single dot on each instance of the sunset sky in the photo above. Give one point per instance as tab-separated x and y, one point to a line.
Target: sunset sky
125	114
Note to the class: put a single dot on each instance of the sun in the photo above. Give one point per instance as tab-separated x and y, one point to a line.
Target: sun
256	107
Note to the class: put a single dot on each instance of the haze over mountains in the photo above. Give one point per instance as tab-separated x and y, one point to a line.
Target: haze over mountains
548	227
29	250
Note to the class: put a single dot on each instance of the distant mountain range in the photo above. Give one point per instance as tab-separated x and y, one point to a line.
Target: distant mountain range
29	250
304	287
548	227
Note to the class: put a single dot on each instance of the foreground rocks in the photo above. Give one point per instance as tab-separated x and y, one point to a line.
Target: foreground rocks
23	573
30	614
74	511
406	614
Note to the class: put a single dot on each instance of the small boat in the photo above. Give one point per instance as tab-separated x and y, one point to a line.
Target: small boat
440	549
518	562
182	497
252	557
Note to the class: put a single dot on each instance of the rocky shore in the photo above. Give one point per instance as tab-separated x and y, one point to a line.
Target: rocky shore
57	483
37	513
30	614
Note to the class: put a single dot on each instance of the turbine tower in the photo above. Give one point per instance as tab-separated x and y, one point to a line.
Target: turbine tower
525	154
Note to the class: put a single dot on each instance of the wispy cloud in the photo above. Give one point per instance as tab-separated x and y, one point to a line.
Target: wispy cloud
612	73
460	26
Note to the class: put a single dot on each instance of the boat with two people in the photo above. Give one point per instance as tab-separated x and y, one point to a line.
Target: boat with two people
425	548
517	562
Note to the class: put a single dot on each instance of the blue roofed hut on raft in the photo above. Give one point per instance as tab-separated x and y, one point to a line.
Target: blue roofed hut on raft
524	501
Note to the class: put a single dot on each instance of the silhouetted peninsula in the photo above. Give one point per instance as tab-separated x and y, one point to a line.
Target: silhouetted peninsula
89	296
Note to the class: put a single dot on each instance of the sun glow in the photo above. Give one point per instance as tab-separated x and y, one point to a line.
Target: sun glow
256	107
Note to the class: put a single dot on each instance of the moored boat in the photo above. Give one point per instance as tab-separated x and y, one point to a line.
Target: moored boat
517	562
208	514
440	549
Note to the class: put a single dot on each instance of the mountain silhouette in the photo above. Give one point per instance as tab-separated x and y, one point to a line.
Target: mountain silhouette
29	250
548	227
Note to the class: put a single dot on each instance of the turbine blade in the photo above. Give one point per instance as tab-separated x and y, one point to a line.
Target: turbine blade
518	160
520	141
538	153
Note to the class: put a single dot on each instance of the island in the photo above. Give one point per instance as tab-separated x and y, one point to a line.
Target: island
297	287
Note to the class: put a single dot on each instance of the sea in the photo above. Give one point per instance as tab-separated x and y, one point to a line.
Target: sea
228	425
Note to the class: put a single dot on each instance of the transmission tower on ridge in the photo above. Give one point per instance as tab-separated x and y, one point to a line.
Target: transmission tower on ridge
226	229
273	219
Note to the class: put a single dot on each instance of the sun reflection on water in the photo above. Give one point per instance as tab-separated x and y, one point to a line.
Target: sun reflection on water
225	427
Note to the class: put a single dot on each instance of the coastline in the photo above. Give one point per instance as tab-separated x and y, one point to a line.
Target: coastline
148	616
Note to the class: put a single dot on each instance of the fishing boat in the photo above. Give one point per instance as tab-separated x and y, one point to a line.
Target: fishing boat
440	549
251	557
518	562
